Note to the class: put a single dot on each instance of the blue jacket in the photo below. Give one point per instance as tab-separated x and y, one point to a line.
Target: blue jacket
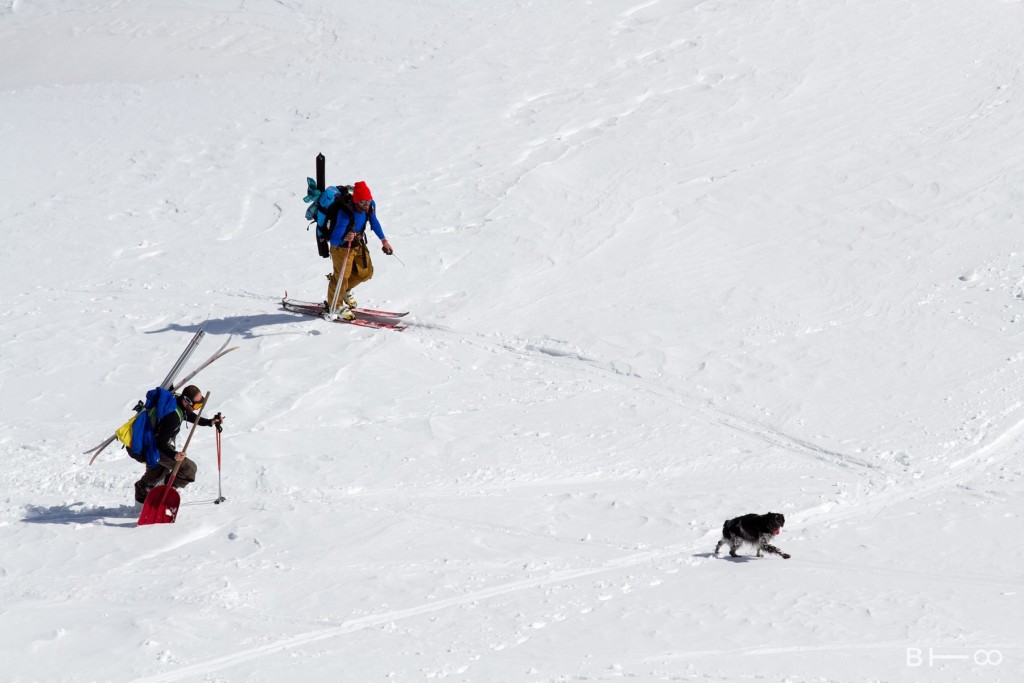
342	225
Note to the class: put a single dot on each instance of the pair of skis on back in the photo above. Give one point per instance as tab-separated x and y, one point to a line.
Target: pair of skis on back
169	382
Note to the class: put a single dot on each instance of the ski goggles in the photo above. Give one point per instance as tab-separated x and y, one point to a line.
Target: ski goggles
194	405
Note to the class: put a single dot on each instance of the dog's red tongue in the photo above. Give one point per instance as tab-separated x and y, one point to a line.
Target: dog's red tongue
778	531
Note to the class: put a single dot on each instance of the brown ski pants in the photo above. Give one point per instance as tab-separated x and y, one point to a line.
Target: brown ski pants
156	476
357	270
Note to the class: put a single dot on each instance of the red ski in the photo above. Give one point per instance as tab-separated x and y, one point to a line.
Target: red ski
365	317
380	314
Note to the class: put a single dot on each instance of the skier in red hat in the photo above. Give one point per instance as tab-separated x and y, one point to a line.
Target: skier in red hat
349	253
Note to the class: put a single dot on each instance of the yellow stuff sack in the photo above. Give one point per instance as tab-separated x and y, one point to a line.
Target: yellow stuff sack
124	432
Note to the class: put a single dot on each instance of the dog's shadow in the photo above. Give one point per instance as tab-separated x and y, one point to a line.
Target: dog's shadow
730	558
78	513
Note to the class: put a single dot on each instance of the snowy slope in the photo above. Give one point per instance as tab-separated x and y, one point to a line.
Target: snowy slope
668	262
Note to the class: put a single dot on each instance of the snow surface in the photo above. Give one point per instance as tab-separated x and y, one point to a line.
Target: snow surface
668	262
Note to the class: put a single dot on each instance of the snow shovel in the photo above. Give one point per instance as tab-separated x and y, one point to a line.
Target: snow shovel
161	506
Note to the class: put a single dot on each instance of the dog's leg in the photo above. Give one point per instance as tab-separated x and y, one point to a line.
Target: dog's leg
719	546
769	548
734	545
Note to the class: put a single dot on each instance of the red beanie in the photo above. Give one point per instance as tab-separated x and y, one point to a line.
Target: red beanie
361	192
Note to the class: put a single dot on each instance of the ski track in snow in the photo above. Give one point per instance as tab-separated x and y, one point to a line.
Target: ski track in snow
191	536
561	577
352	625
787	209
998	450
971	464
712	414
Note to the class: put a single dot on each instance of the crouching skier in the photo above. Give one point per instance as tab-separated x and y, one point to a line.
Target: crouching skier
154	433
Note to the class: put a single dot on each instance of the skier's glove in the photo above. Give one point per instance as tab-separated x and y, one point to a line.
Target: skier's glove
217	420
386	248
139	406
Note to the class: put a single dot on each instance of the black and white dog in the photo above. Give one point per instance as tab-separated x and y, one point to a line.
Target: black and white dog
755	530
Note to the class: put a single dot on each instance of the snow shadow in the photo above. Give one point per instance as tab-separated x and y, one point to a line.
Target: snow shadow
739	558
77	513
210	501
245	326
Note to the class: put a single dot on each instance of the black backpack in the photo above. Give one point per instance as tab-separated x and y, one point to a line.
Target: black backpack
323	211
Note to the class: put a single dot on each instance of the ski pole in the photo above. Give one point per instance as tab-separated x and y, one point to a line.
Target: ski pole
220	493
338	286
399	260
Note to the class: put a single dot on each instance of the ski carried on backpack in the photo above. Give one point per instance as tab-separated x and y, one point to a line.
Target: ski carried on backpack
183	358
217	355
172	373
169	382
313	195
365	317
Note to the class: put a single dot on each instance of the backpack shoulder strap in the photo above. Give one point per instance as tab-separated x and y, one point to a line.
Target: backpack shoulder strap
344	200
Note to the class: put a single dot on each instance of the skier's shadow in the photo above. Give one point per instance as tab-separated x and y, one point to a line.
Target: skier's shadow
242	325
78	513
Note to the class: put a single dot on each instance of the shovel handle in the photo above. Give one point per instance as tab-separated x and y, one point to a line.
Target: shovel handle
195	424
